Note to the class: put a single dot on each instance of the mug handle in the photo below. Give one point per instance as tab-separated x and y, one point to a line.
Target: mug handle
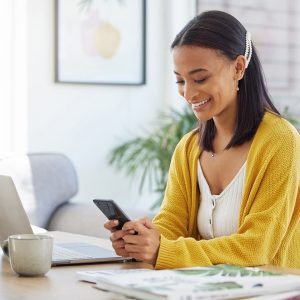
4	247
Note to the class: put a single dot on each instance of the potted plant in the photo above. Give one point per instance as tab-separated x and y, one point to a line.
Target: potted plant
152	152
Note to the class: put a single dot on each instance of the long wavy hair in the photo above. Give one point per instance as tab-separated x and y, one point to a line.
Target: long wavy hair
221	31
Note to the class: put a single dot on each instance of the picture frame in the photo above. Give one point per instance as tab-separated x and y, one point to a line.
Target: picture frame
100	42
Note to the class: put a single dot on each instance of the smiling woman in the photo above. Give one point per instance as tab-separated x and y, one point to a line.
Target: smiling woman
233	188
208	89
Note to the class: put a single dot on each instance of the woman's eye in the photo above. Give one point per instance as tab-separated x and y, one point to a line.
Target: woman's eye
179	82
200	80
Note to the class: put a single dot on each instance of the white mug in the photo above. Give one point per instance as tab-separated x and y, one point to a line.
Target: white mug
30	254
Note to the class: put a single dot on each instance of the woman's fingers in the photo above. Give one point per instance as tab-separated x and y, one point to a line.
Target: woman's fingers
136	226
129	230
118	243
118	234
119	247
145	245
111	224
139	253
146	222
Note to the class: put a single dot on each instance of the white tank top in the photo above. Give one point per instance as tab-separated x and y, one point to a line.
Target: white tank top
218	215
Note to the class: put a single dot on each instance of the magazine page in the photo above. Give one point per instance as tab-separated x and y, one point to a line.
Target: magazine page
217	282
95	275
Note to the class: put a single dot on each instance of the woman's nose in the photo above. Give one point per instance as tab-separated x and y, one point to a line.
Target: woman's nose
190	92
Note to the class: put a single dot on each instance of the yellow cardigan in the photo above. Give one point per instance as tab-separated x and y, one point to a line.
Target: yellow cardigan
269	227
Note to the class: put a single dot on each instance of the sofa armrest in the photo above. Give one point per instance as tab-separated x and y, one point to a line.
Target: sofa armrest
86	219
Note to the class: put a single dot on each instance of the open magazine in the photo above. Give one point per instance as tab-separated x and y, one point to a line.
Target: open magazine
216	282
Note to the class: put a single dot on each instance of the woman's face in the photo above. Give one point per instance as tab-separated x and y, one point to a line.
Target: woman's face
207	80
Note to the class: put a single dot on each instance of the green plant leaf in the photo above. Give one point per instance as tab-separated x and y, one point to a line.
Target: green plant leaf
152	152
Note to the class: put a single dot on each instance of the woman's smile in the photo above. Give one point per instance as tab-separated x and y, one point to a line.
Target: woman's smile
201	105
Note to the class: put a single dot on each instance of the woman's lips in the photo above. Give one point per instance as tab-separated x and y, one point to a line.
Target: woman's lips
200	105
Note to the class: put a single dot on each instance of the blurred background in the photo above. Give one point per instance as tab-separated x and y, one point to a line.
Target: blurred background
61	89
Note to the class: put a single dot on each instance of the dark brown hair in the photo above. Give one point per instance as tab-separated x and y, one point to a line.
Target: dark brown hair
221	31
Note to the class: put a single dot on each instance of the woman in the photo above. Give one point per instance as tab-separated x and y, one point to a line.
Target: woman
233	189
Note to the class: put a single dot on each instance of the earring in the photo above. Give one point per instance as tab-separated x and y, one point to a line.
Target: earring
237	88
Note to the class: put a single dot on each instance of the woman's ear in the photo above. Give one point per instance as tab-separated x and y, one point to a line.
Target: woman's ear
240	66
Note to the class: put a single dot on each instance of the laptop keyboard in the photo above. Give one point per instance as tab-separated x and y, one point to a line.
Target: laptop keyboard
61	253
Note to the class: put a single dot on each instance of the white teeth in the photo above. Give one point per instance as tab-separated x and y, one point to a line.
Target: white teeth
194	105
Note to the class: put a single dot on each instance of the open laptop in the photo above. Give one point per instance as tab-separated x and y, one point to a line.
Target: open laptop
13	220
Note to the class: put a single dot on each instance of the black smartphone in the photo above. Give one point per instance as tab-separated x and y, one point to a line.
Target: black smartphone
112	211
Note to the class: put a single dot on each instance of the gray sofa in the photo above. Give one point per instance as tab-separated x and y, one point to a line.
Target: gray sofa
46	183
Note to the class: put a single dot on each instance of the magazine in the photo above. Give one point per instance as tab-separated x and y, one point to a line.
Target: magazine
216	282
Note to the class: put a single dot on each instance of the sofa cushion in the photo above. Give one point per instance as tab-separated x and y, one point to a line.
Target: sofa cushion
44	181
87	219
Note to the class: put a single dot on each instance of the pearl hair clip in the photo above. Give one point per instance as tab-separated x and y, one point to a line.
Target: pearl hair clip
248	50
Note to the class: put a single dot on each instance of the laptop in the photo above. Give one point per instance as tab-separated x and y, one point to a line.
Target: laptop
13	220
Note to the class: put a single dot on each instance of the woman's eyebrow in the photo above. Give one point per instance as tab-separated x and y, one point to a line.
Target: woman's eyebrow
193	71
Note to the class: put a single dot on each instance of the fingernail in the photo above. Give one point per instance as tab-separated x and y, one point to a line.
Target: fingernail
116	221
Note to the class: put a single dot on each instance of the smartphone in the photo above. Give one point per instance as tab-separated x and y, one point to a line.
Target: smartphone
112	211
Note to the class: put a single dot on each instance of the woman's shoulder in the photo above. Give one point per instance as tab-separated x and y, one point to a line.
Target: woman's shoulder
275	140
275	127
189	143
189	138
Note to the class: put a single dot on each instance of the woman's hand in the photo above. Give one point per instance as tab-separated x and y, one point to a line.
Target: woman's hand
145	244
117	237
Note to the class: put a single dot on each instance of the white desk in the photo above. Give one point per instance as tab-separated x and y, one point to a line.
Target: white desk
60	282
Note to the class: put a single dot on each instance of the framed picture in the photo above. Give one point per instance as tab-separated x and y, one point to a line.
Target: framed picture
100	41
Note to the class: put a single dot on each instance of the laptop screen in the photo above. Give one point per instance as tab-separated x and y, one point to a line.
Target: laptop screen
13	218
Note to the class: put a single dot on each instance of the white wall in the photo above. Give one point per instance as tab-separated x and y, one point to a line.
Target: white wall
13	77
86	121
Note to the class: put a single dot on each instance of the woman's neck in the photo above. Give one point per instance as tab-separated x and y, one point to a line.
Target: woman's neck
225	126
